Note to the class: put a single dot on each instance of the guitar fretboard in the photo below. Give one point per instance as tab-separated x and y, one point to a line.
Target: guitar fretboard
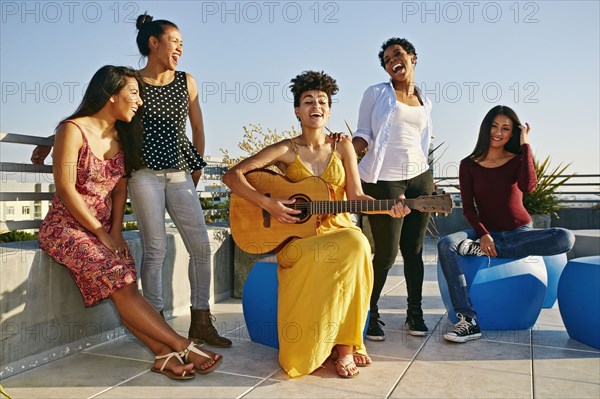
353	206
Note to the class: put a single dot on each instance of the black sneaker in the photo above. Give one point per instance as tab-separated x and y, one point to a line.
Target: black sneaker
465	330
416	325
374	331
470	247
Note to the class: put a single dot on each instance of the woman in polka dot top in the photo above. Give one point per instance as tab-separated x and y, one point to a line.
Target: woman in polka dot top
172	169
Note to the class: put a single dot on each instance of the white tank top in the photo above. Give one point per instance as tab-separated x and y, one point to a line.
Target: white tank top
404	158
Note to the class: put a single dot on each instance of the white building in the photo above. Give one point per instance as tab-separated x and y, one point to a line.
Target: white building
211	184
23	209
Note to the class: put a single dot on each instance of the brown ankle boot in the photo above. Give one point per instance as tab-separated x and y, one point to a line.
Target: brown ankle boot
203	330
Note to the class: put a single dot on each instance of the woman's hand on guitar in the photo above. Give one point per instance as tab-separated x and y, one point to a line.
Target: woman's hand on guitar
279	210
399	210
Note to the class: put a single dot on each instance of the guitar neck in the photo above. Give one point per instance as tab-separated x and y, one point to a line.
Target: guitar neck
353	206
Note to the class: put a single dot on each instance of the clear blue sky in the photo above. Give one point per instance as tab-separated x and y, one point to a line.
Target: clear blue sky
539	57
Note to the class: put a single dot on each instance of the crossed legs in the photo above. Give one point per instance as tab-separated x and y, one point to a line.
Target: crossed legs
148	326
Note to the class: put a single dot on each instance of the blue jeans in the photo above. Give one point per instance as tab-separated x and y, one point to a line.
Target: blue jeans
519	243
151	192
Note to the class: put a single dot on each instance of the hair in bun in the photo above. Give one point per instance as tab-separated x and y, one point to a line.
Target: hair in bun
143	19
147	27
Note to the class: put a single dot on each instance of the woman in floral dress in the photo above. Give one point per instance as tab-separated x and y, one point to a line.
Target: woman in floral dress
96	148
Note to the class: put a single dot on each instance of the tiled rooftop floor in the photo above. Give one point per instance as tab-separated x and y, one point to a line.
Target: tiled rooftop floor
541	363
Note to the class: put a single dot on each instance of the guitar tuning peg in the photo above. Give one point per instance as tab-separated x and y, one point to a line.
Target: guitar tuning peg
434	193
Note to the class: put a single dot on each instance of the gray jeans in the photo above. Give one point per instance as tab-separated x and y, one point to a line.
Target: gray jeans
151	192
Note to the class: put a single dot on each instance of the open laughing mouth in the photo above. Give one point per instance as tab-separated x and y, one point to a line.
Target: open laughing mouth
397	67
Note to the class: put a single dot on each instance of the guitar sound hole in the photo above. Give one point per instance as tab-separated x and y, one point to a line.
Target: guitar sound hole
302	204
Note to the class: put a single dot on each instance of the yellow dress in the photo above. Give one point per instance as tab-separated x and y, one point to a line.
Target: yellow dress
325	284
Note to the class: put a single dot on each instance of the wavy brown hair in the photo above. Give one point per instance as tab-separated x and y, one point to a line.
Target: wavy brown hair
106	82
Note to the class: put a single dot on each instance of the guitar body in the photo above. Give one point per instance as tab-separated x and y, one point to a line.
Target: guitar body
255	231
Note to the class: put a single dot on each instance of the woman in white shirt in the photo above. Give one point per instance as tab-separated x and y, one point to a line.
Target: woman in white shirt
394	123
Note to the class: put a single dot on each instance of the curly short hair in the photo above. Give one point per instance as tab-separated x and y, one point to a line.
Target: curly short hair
406	45
313	80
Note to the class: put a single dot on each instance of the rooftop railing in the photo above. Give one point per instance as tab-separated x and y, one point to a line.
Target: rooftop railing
587	185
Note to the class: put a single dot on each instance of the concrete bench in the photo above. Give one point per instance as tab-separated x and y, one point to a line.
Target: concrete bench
42	312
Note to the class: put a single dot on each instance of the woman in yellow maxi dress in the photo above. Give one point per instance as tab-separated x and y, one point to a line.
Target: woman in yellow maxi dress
325	281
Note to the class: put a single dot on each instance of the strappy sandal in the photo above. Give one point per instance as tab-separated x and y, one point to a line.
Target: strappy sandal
170	373
345	368
192	347
334	358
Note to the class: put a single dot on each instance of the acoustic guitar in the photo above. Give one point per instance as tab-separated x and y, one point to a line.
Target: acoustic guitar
256	232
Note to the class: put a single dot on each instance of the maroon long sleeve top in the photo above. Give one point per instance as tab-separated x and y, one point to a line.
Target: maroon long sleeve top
492	198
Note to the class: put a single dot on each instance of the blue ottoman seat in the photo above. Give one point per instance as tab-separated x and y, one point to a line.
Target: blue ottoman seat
507	295
259	303
579	299
555	265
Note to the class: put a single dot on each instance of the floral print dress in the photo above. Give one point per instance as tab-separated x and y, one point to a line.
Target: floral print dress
97	271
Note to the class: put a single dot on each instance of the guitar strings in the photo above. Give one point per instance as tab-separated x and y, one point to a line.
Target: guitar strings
342	206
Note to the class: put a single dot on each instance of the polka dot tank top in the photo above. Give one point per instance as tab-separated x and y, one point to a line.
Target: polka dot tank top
166	146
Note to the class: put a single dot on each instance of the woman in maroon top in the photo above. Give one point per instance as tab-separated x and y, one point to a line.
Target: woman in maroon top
492	182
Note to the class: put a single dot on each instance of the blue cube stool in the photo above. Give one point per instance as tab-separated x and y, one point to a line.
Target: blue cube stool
555	265
259	303
507	295
579	299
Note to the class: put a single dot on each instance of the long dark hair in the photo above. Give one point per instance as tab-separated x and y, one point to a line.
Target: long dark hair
147	28
483	141
106	82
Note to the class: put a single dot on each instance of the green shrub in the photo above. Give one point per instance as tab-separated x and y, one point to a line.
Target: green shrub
17	235
543	200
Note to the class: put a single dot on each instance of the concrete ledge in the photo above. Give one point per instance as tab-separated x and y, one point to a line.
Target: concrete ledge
243	262
587	243
42	317
569	218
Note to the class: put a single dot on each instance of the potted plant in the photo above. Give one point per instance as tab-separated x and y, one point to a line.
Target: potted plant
543	202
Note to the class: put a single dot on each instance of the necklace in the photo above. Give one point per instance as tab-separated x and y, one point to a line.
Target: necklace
158	84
